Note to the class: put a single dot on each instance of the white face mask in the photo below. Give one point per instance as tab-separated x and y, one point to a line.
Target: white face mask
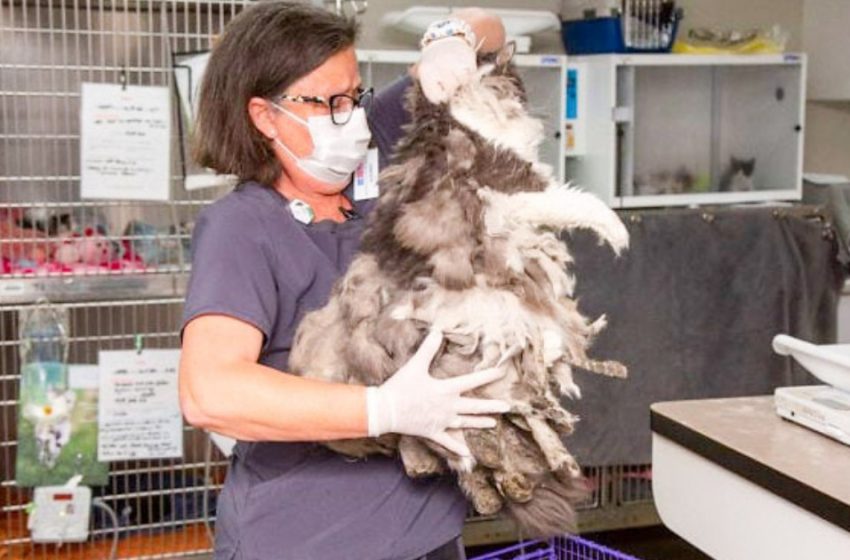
337	148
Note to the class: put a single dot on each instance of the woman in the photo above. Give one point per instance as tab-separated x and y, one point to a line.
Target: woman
282	108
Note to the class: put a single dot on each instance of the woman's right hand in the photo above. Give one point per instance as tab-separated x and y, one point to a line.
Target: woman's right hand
411	402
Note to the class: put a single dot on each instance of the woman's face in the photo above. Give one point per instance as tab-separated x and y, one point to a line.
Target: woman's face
338	74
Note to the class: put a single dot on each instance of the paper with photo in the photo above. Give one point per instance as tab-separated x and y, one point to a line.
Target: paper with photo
57	425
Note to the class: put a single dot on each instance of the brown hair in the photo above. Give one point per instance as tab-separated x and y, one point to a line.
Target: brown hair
262	52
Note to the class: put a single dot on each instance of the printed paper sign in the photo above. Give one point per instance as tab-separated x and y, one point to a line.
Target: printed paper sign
139	406
125	142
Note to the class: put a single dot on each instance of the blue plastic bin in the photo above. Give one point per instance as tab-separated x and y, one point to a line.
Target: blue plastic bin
593	36
605	35
558	548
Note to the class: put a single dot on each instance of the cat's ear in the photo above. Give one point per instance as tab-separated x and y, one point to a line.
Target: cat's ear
506	54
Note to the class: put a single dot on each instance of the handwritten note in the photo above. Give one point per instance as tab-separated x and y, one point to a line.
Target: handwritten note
139	414
125	142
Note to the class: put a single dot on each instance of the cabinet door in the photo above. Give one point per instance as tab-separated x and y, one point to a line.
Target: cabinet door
826	39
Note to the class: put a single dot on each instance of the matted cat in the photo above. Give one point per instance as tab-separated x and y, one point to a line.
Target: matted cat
464	239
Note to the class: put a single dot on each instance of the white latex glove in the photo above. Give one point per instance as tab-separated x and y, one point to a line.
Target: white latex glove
412	402
445	65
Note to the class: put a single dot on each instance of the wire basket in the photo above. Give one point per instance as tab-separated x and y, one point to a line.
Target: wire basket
566	547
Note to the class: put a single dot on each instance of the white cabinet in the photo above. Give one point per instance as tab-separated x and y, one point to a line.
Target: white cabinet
544	77
662	130
826	40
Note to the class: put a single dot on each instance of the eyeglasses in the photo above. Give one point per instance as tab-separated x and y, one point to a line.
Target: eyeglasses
341	105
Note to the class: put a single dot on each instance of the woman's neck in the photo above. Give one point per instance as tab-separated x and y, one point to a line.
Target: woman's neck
325	206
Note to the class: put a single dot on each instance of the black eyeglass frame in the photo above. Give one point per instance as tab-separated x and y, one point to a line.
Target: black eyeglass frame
364	97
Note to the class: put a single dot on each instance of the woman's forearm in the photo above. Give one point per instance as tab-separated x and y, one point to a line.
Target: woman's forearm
227	392
252	402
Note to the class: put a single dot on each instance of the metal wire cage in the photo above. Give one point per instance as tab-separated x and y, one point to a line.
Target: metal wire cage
47	232
49	48
163	506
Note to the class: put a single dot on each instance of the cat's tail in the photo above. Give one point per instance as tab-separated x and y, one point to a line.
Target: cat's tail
551	510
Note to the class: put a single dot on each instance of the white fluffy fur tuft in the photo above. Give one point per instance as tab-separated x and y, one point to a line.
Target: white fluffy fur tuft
502	122
558	207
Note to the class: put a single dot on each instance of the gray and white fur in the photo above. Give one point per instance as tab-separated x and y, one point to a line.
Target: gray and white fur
464	240
739	175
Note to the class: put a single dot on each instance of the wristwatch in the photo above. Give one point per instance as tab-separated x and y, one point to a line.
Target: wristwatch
451	27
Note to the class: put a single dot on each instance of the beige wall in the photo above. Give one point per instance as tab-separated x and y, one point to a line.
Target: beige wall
827	124
745	14
828	137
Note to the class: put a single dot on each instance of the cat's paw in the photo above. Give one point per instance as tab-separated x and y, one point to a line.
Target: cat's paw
607	224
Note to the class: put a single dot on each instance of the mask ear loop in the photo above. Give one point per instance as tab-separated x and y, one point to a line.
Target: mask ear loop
274	137
283	147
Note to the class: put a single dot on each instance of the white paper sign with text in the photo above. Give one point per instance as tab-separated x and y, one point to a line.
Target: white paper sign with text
139	416
125	142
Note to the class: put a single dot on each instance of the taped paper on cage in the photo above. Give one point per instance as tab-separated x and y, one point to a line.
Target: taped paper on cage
139	407
125	142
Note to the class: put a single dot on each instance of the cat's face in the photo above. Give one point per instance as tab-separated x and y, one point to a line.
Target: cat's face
744	166
499	74
493	104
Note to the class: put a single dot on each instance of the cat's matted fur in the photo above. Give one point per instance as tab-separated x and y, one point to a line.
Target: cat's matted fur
463	239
